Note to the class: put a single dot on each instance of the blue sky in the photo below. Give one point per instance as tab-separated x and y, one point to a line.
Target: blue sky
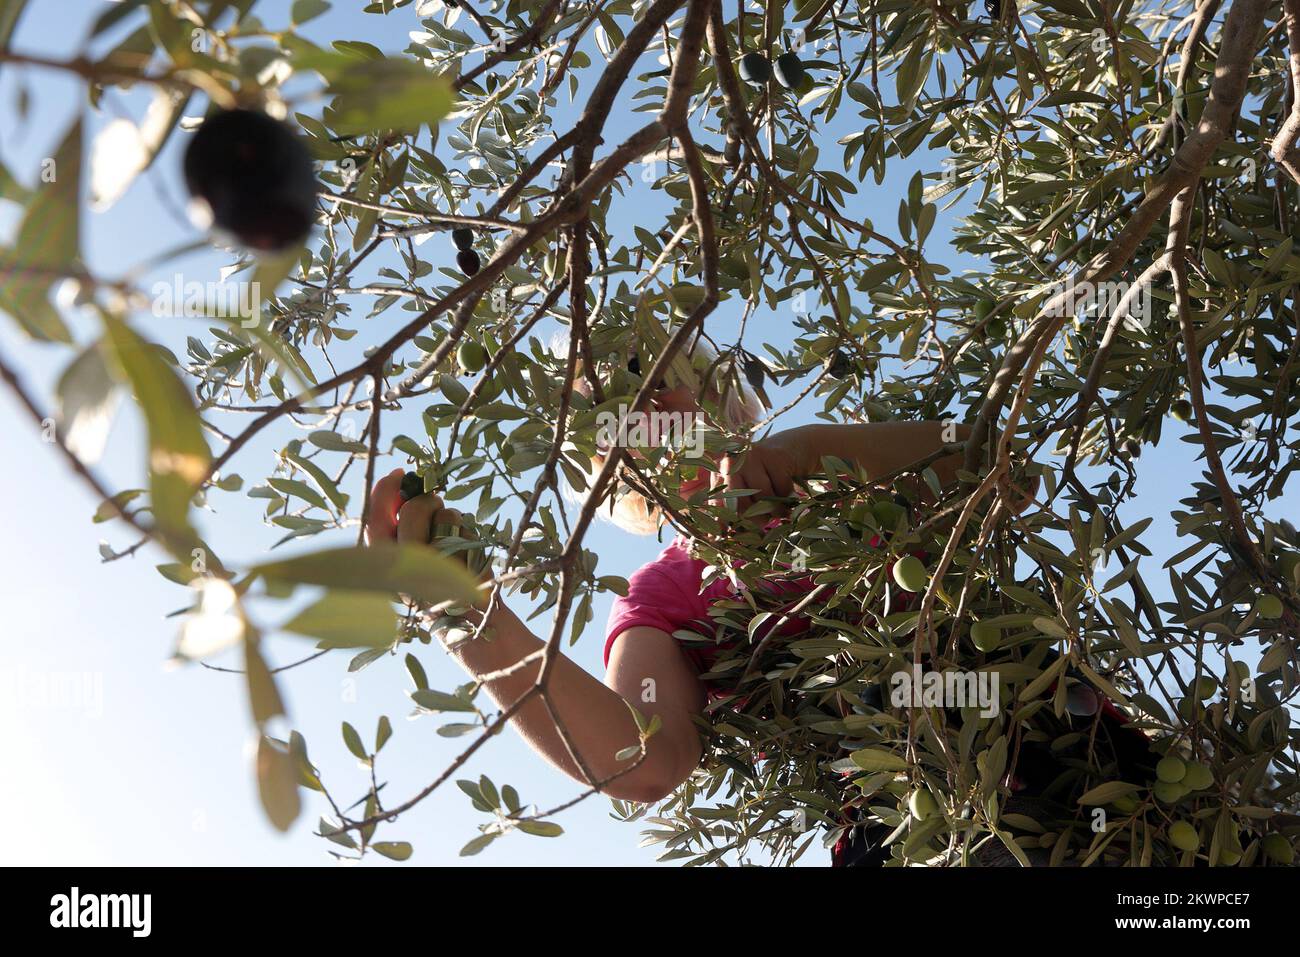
152	766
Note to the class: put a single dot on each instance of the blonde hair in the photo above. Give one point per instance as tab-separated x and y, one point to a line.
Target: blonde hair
742	408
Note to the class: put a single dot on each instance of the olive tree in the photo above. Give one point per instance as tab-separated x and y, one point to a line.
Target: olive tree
1118	182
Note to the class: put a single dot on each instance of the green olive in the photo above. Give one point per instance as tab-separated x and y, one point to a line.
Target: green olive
1171	769
1269	607
1181	410
686	298
985	637
1183	836
471	356
1167	792
910	574
1204	687
922	804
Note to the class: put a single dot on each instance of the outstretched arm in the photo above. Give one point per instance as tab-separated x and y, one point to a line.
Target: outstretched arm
646	670
774	464
878	448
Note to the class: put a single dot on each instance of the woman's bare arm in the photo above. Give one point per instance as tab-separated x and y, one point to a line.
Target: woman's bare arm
878	448
773	465
647	670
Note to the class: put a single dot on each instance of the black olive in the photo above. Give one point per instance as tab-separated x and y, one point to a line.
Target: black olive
755	371
463	237
412	485
634	367
468	261
256	176
755	69
789	70
838	366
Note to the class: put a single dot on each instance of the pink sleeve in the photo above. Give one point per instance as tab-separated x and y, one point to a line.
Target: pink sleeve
659	595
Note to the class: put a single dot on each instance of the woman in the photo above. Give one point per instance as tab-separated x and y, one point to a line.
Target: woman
640	652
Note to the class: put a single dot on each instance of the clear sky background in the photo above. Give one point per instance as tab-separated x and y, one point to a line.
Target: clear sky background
153	766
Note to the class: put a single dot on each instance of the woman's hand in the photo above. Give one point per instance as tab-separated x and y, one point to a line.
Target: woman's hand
422	520
770	467
409	522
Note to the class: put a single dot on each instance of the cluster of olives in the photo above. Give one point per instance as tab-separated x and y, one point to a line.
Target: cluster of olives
466	258
757	70
255	177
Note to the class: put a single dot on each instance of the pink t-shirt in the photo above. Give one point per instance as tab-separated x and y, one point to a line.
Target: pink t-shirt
666	594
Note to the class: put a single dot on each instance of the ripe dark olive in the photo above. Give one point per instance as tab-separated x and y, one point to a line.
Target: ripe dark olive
755	371
412	485
634	367
993	8
468	262
256	177
838	366
754	69
463	237
789	71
